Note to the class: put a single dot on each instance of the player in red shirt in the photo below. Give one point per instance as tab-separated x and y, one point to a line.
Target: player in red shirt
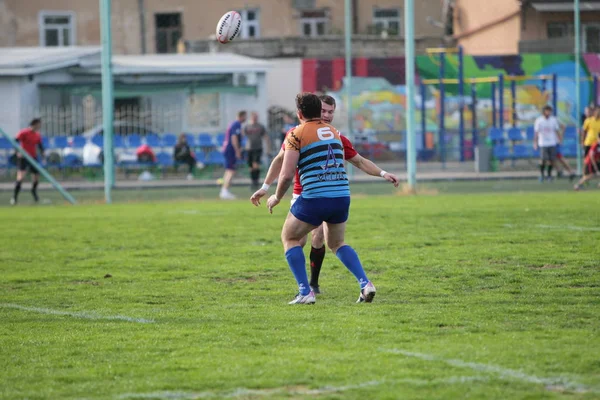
592	160
317	251
29	139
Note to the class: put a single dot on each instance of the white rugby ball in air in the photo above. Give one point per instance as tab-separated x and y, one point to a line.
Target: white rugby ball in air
229	26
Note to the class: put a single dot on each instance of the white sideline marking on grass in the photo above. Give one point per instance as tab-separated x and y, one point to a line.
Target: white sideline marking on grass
570	227
567	227
243	392
507	373
84	315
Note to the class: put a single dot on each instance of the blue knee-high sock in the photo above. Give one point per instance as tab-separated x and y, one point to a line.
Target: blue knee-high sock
297	262
349	258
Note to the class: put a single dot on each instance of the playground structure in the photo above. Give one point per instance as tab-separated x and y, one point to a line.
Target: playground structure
500	92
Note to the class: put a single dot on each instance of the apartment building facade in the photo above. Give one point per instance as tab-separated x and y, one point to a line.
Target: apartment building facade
526	26
156	26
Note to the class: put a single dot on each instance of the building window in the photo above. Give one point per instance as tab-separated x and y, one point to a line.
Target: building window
590	34
388	20
250	24
57	28
591	37
314	23
168	32
557	30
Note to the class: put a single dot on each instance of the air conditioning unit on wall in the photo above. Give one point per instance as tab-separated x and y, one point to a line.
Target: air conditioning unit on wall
245	79
304	4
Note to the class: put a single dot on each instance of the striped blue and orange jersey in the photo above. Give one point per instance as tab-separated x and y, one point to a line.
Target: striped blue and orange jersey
321	161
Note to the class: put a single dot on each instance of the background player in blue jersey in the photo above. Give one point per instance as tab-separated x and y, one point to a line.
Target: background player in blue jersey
315	148
232	151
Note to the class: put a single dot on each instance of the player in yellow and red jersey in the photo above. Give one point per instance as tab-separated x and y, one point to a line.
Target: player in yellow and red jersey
592	160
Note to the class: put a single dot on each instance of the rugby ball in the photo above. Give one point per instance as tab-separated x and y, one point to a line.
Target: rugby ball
229	26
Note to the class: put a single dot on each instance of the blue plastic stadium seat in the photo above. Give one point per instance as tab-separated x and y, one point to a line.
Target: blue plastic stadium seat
79	142
220	139
59	142
168	140
72	160
191	139
5	144
153	140
496	134
205	140
515	134
200	157
530	133
570	133
535	152
98	140
215	157
501	152
164	159
45	142
521	151
569	149
134	140
118	141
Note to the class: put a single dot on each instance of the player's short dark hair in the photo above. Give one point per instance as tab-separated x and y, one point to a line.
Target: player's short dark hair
242	114
327	99
35	121
309	105
547	108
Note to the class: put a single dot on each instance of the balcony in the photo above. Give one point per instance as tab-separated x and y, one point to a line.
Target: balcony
331	46
555	45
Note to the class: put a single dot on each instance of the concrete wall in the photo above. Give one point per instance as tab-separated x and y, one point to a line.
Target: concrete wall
501	38
10	104
231	103
284	81
325	47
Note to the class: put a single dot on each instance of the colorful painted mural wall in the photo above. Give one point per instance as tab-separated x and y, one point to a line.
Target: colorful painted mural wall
379	88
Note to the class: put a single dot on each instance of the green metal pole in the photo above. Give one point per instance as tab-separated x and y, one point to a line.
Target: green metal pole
409	40
578	81
41	169
348	50
107	99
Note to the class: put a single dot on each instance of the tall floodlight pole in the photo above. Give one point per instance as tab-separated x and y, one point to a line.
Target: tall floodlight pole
107	99
348	48
409	40
578	80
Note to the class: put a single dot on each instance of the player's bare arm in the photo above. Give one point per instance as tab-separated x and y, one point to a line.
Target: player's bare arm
272	173
535	140
235	141
372	169
288	170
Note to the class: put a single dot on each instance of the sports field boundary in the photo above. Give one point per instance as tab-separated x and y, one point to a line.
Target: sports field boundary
180	183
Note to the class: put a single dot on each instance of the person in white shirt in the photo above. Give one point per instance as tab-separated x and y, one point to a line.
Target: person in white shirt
546	138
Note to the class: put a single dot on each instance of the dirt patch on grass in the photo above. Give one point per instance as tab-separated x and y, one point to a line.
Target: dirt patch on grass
406	190
248	279
92	283
546	266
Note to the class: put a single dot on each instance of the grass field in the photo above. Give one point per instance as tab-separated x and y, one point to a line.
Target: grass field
480	295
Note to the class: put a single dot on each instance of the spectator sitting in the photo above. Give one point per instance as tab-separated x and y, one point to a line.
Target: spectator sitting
182	153
145	154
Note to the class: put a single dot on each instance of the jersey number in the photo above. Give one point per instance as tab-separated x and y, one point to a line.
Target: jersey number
325	133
